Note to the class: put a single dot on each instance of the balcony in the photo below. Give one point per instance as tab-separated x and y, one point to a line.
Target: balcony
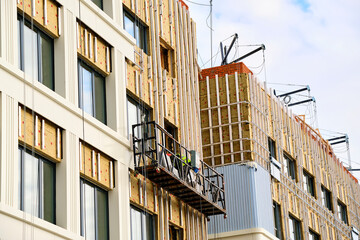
163	160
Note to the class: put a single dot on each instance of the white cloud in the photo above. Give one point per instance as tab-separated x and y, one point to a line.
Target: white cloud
316	44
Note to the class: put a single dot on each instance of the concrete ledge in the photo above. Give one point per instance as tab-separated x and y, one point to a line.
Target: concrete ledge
249	234
16	224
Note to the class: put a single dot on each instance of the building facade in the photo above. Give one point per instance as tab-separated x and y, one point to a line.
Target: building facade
283	180
83	85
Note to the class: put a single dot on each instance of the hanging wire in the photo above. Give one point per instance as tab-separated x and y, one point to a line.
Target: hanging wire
287	84
211	58
200	4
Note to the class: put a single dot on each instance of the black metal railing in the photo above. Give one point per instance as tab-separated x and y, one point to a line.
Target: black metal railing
154	147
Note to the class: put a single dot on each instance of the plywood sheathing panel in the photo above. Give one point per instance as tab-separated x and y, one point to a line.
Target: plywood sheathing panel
50	146
88	168
297	139
179	216
98	58
178	34
51	26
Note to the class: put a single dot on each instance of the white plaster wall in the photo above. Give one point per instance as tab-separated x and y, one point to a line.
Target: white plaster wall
61	107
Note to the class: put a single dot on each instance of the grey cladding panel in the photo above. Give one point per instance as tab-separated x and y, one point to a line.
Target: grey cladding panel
248	200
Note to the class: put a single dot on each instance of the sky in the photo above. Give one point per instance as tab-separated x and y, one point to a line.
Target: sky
308	42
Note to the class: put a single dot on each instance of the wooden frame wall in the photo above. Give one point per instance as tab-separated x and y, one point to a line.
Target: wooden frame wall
168	209
263	115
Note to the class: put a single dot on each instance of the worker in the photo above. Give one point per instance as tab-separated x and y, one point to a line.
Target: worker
187	161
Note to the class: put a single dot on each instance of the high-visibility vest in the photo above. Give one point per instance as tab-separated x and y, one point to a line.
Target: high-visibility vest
185	160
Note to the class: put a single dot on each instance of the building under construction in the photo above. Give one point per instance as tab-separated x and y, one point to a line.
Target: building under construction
282	177
100	122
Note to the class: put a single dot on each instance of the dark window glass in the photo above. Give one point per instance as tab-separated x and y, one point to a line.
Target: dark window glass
342	212
164	53
277	220
98	3
92	95
294	228
36	53
135	112
49	191
309	183
326	198
94	212
290	168
37	186
272	149
100	102
47	63
175	233
137	30
313	235
142	225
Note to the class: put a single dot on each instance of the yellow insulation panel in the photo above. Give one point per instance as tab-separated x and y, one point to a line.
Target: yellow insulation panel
93	49
49	144
90	157
52	24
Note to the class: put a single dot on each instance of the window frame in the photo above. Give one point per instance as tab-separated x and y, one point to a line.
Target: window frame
178	231
309	184
290	167
144	215
40	184
272	148
313	234
139	110
22	21
84	65
296	223
342	211
83	181
325	196
142	39
101	4
277	220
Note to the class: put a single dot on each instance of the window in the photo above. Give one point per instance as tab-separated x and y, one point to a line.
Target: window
354	234
175	233
342	211
326	198
92	95
36	53
290	168
272	149
164	53
94	212
135	112
37	186
142	225
98	3
313	235
137	30
277	220
309	183
294	228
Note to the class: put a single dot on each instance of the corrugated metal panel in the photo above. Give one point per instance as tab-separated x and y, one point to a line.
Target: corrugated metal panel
248	200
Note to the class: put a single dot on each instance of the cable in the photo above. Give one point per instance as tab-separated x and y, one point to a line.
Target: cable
287	84
200	4
211	58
